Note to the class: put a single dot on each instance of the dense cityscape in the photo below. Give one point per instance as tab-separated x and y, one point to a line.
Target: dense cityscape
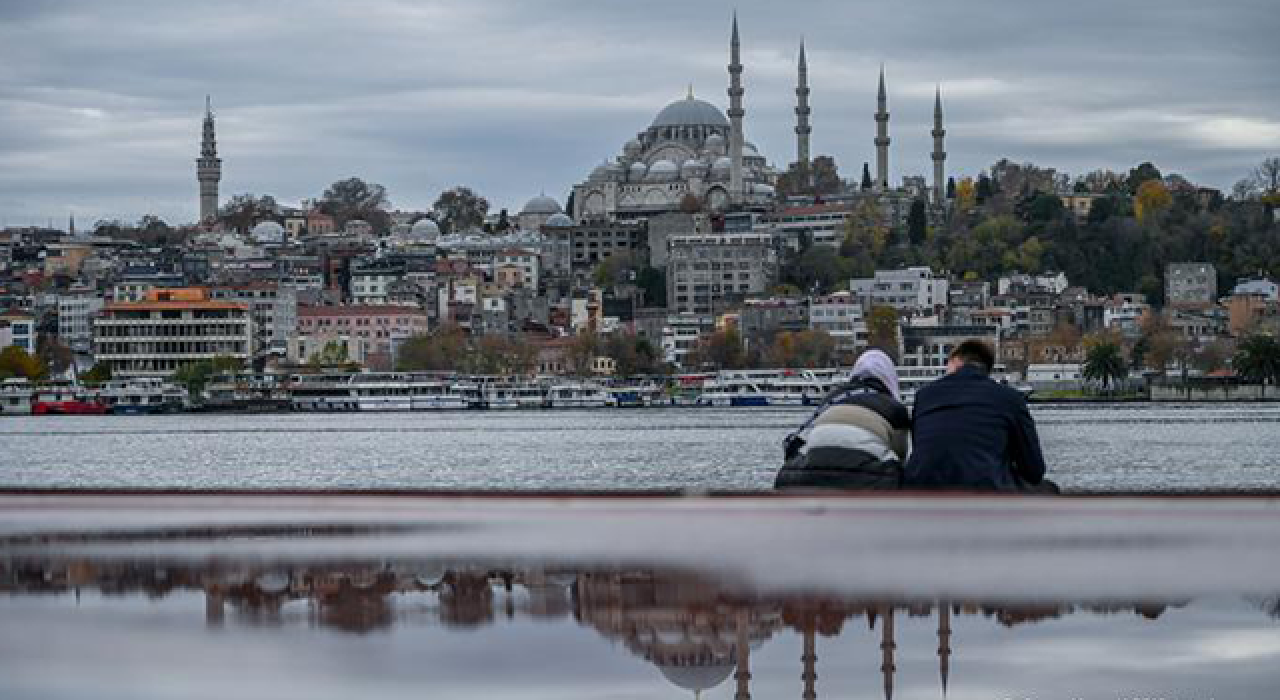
686	253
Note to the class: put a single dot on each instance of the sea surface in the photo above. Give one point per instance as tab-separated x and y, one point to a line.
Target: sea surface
1095	448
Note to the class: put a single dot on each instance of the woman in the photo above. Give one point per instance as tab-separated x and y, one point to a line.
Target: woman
858	438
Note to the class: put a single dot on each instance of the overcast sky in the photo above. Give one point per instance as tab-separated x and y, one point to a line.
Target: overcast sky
101	102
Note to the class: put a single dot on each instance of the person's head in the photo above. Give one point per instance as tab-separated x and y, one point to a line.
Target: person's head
972	352
876	364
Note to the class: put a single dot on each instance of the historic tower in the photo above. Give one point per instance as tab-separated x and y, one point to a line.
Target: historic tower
939	155
882	136
735	113
802	111
208	167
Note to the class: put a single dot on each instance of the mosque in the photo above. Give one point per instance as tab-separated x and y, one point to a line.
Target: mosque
695	157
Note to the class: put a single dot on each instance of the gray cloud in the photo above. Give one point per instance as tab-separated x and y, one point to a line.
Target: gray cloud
100	103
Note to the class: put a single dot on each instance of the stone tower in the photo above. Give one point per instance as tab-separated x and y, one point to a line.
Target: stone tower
735	113
939	155
882	136
802	110
208	167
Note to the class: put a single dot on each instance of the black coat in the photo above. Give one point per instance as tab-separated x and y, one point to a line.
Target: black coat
971	433
844	468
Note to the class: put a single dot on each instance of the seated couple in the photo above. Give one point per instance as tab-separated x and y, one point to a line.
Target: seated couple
966	432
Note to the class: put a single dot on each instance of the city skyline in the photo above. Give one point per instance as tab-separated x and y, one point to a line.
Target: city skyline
513	100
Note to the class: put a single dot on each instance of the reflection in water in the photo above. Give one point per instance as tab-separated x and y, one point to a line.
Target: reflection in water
698	631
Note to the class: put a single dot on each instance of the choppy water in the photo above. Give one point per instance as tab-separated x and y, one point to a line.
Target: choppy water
1122	447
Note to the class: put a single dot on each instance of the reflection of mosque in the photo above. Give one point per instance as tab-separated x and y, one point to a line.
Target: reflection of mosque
698	632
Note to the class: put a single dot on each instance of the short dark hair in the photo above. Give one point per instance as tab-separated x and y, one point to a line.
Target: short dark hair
976	352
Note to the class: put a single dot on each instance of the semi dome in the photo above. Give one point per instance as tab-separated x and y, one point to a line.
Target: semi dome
698	678
690	111
724	163
559	220
633	148
638	169
600	173
761	188
425	229
693	167
542	204
267	232
663	170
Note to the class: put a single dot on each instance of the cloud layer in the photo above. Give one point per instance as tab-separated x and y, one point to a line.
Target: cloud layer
100	103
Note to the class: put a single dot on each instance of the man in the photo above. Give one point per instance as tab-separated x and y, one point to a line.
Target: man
973	434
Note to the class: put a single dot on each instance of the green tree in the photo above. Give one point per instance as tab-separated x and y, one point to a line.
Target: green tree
460	209
1257	359
99	373
353	198
1104	363
333	354
1144	172
16	362
195	375
917	223
441	351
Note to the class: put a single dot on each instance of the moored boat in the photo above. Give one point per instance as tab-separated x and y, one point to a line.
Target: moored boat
143	395
15	396
66	400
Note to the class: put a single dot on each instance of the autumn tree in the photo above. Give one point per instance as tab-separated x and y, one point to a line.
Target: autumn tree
882	329
1143	173
460	209
353	198
722	349
1153	199
581	352
1267	175
16	362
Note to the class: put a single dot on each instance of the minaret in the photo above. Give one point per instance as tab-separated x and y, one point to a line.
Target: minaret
887	646
939	155
71	225
882	136
735	114
944	643
208	167
802	111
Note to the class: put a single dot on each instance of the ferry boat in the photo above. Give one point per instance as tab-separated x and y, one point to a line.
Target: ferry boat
252	393
66	400
636	395
576	395
732	391
382	391
143	395
15	396
513	395
321	392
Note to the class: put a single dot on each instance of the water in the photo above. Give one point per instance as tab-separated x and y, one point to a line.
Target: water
1122	447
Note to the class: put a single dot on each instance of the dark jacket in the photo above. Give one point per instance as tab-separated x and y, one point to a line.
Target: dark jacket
856	440
971	433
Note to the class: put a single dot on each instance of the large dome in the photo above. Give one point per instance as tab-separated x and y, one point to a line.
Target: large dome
690	111
542	204
267	232
559	221
424	229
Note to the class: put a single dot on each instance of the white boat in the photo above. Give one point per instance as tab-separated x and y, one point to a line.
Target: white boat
144	395
380	392
576	395
15	396
732	391
322	392
513	395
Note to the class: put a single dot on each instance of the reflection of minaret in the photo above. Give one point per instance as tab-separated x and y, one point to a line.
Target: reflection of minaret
939	155
743	674
882	136
944	642
208	167
802	111
887	646
214	606
735	113
810	659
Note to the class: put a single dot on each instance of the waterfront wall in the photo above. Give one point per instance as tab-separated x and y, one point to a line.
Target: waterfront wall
1224	392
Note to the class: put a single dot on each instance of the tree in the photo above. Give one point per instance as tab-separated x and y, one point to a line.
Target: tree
1162	342
353	198
1153	199
1257	359
722	349
242	211
867	183
1144	172
810	348
1104	363
633	355
984	190
100	373
582	351
966	195
951	188
1267	175
917	223
504	223
195	375
882	330
16	362
460	209
441	350
333	354
54	353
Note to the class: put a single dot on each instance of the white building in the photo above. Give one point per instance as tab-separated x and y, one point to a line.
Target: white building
840	316
707	272
171	328
528	262
681	334
912	291
1260	287
1051	282
18	328
75	319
